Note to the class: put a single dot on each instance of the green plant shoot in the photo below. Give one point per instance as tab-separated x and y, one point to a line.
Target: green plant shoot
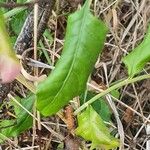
9	64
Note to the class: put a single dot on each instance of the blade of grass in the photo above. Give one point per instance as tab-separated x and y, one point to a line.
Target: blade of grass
15	11
45	53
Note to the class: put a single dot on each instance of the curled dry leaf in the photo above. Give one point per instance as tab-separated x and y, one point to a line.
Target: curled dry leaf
32	78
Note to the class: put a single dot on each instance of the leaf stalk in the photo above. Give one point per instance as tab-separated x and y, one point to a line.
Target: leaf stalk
116	86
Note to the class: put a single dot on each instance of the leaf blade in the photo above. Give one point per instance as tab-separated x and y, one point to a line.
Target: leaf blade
100	106
84	39
136	60
90	122
21	123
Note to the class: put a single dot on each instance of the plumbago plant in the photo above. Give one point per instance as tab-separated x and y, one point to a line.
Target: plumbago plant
84	40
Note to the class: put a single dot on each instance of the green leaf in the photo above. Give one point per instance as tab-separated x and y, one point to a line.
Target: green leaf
9	64
21	1
85	36
17	21
21	123
100	106
92	128
136	60
49	36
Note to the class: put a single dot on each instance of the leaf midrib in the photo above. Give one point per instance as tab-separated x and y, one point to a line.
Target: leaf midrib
76	51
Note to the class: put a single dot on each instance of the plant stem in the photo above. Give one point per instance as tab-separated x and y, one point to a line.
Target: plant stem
116	86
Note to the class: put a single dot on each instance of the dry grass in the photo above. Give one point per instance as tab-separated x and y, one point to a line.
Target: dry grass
128	21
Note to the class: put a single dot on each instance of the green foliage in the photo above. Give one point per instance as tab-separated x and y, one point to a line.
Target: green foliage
50	40
4	38
21	1
85	36
12	128
92	128
9	64
2	1
1	8
136	60
100	106
17	22
49	36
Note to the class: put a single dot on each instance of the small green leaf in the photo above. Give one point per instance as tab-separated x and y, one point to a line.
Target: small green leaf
136	60
115	93
85	36
21	123
17	21
92	128
100	106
